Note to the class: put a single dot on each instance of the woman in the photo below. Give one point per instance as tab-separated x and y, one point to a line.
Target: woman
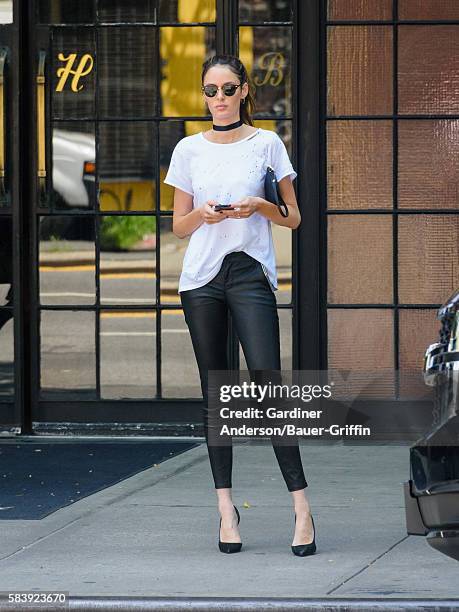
230	263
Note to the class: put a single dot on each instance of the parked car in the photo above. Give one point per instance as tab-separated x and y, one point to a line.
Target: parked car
74	156
432	492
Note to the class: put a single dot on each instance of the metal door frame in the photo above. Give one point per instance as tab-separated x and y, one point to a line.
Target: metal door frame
170	417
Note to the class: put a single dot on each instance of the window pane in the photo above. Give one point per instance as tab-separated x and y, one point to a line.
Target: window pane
170	133
6	314
428	69
127	259
128	78
359	164
66	11
67	260
172	254
72	180
6	261
282	239
359	9
260	10
266	53
121	11
182	53
286	337
428	154
7	354
428	249
6	11
187	11
359	259
68	359
127	166
180	375
362	341
73	95
428	9
417	329
360	57
127	355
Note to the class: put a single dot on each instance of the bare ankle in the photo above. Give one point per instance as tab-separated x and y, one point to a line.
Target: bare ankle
302	507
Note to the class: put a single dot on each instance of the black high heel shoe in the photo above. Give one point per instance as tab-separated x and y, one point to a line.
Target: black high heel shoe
303	550
229	547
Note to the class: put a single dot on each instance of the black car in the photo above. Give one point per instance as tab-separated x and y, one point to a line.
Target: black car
432	493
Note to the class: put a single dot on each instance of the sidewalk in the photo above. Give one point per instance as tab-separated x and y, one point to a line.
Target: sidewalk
155	535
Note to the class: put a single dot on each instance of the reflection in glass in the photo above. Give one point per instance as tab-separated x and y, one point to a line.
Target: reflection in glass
359	164
428	251
119	11
182	53
74	162
6	354
260	10
362	341
128	72
359	259
282	238
68	359
127	259
66	11
266	53
428	69
428	155
127	166
170	132
67	260
127	355
73	49
6	11
172	254
6	263
179	370
187	11
361	57
286	338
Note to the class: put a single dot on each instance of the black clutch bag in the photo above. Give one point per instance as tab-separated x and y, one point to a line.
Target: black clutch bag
272	193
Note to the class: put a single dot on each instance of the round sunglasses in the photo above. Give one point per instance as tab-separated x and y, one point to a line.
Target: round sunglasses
229	89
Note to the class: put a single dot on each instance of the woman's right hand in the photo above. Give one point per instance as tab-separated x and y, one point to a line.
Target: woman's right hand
209	215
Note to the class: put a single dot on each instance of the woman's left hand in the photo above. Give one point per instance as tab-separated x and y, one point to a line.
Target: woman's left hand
243	208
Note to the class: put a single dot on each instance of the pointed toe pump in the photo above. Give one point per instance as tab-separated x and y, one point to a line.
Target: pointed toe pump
304	550
229	547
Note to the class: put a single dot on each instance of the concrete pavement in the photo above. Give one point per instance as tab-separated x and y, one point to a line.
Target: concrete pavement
155	535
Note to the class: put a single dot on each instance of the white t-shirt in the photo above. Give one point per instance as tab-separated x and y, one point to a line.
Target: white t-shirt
227	173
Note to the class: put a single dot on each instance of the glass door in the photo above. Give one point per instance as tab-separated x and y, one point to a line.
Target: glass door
115	83
9	380
109	88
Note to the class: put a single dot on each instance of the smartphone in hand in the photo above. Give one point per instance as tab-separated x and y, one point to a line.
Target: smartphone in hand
218	207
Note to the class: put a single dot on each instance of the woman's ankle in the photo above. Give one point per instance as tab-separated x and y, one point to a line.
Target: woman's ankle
302	507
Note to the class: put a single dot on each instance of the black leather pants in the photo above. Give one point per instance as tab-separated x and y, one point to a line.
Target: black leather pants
242	287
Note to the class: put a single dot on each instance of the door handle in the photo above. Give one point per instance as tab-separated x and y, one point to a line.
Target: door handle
3	55
41	122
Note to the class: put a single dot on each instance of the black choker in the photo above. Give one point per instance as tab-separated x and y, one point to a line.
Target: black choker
231	126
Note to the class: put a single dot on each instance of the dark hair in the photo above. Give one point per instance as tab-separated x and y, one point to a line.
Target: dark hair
235	64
